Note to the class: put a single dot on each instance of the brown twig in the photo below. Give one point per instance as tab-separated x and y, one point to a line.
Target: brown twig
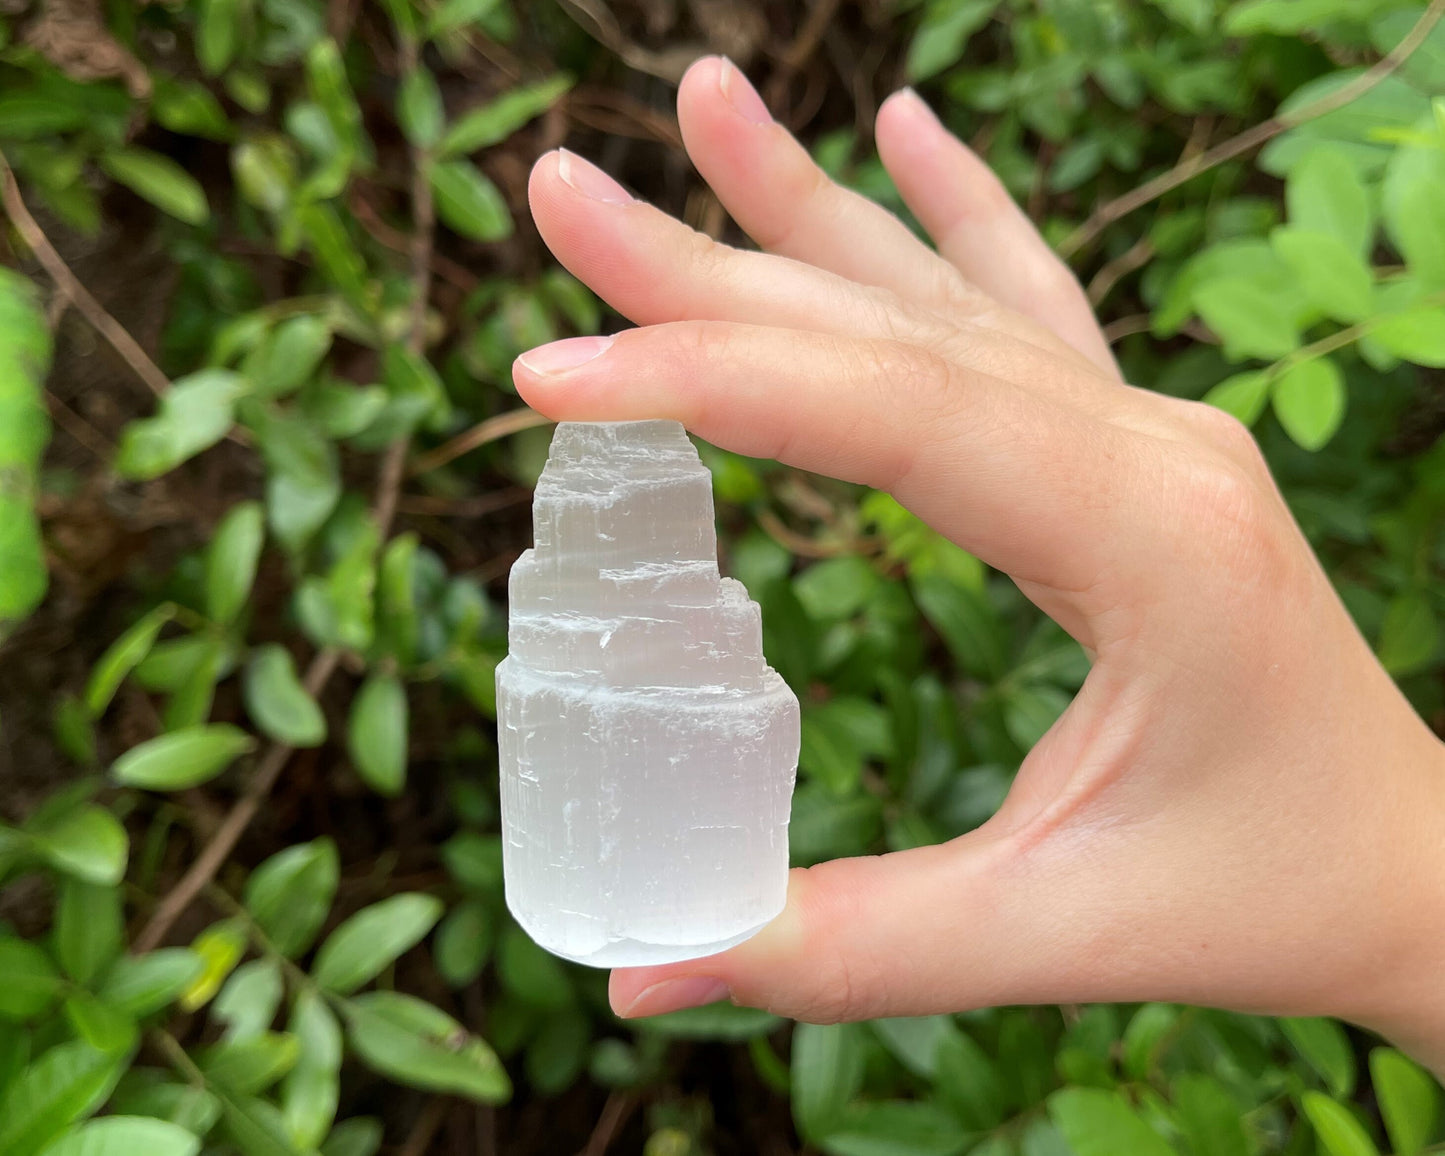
503	425
426	1127
78	428
213	855
1135	257
454	274
388	488
67	283
614	1114
435	505
1191	166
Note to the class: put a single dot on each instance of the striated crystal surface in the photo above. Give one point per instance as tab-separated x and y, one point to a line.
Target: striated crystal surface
647	750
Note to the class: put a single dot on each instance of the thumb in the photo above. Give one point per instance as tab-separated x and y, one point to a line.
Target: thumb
942	928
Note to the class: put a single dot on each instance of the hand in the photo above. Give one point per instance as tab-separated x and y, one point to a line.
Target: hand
1239	809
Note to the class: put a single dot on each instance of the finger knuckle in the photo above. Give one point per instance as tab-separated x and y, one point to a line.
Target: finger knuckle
1225	432
831	990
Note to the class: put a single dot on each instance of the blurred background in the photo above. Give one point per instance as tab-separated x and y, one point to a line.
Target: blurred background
263	473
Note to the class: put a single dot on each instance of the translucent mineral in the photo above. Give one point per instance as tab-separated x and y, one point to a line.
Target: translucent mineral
647	750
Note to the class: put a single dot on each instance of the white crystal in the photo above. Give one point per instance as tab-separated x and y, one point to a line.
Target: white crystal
647	750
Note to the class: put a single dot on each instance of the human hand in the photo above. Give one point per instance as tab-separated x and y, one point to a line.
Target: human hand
1239	809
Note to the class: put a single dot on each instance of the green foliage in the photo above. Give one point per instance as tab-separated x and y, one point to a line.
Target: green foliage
1300	288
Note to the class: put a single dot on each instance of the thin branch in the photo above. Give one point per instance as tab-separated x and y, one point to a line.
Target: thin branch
214	854
614	1114
1135	257
1190	167
388	488
426	1127
494	428
67	283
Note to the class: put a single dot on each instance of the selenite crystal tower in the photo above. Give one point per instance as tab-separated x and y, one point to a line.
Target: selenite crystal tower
647	750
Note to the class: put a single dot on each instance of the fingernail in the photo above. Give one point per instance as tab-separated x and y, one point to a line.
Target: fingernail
568	354
918	103
739	93
674	995
589	180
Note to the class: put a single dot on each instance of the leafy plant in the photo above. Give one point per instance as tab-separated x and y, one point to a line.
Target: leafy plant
273	882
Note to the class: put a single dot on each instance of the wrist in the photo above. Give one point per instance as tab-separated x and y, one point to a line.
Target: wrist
1399	991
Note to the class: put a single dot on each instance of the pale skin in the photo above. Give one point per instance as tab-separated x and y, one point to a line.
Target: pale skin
1239	809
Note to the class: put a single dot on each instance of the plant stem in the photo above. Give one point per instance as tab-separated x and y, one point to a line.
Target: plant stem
1251	138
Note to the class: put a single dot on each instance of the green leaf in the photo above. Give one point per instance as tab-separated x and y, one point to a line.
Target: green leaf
1409	634
418	1045
142	984
915	1040
105	1028
66	1084
970	626
943	35
290	894
123	656
419	108
463	942
714	1021
1414	211
377	734
159	180
196	413
895	1128
372	939
1209	1117
498	120
303	475
146	1093
86	842
1417	335
1244	395
189	108
558	1052
248	1001
828	753
246	1067
837	588
475	861
1250	320
31	984
531	974
1407	1097
217	30
827	1072
182	759
967	1083
287	357
1029	712
231	560
343	410
312	1089
468	202
220	948
1334	278
277	701
1340	1134
254	1125
89	930
126	1136
450	15
1323	1045
1324	194
1148	1029
1100	1123
358	1136
1309	400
